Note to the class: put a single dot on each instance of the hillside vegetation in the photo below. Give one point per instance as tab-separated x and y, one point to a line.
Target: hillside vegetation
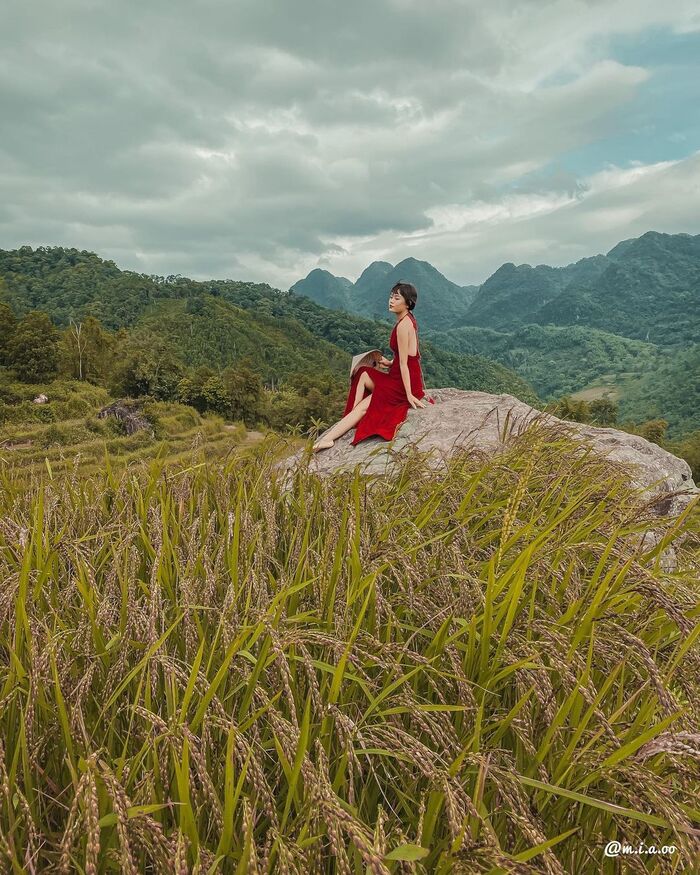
645	381
556	360
69	437
176	323
670	390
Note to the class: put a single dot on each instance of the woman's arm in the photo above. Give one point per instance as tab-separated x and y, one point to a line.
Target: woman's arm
403	338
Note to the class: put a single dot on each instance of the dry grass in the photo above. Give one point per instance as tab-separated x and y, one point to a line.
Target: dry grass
204	672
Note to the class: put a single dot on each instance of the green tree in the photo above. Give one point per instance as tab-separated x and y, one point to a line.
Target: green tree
204	390
571	409
100	350
32	350
244	387
8	326
195	306
689	449
216	397
283	409
87	350
185	392
323	394
198	380
603	411
654	430
149	367
316	405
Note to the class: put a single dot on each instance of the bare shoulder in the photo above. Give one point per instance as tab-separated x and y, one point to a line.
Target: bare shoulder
406	326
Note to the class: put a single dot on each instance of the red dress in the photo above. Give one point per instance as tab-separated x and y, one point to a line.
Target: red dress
388	405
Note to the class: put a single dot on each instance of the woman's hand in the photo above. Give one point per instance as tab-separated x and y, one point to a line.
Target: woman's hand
415	402
383	363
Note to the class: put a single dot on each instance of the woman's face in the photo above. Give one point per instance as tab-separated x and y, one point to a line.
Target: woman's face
397	302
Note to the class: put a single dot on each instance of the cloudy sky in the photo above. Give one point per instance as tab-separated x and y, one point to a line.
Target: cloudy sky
258	140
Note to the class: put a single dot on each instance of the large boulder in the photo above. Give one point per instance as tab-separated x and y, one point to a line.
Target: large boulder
486	423
130	413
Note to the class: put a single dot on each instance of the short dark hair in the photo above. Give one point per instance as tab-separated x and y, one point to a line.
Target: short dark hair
408	292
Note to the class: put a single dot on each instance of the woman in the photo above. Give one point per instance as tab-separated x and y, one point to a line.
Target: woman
378	400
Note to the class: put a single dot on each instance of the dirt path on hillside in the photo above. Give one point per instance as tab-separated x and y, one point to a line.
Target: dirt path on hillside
251	437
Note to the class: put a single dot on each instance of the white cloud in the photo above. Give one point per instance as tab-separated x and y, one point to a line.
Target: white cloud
468	243
618	177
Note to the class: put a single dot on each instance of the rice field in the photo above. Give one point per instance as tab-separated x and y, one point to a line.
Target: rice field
208	669
81	443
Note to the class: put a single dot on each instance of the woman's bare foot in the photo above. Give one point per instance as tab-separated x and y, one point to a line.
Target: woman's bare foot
323	444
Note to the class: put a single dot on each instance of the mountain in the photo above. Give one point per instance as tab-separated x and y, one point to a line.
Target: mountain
615	324
325	289
440	301
647	288
369	285
511	295
470	291
352	333
645	381
217	333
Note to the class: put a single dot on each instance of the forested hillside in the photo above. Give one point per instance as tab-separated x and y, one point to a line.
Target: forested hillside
554	359
241	349
670	391
647	288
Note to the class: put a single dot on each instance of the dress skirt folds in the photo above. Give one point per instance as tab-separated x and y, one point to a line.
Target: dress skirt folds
388	405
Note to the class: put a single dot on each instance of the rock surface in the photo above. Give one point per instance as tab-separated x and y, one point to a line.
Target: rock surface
129	412
487	422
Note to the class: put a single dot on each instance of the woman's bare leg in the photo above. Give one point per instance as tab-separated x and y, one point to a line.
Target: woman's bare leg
365	382
345	424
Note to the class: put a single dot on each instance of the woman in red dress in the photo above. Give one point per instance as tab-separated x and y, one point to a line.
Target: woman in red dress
378	401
